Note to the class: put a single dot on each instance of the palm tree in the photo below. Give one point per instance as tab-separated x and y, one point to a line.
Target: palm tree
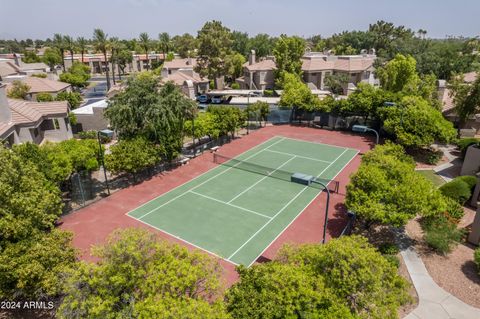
114	46
60	45
82	45
69	45
165	42
144	40
101	44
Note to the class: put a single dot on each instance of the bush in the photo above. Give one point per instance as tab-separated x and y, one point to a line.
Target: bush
476	258
454	210
441	234
388	249
40	75
457	190
44	97
268	93
434	157
73	98
470	180
235	86
464	143
393	260
88	135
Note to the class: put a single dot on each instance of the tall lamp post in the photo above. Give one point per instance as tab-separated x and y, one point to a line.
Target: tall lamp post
364	129
324	240
106	133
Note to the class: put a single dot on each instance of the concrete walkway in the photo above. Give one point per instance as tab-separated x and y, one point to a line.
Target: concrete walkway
434	302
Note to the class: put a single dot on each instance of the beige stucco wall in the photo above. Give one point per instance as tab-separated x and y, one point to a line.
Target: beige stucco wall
471	163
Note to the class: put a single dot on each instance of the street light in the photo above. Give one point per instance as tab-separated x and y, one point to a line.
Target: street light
364	129
106	133
326	210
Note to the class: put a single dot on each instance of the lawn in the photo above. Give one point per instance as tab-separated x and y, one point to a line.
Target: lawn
432	176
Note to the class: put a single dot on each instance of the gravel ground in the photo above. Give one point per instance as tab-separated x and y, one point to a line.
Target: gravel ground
456	272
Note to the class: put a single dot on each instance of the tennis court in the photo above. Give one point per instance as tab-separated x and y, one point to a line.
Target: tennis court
237	209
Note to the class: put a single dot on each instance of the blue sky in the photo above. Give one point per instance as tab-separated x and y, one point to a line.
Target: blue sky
127	18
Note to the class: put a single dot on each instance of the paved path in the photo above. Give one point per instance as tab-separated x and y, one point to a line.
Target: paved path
434	302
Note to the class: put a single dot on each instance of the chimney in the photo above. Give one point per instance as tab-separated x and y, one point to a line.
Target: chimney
17	59
251	58
5	113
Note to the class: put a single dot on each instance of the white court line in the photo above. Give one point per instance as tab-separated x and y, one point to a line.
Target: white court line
223	172
253	185
232	205
284	207
185	241
299	213
190	180
318	143
299	156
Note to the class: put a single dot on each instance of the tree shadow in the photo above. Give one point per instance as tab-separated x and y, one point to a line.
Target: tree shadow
470	270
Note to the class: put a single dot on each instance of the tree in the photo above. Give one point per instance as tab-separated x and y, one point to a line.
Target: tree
32	253
145	42
185	45
164	41
416	124
387	190
31	57
52	57
143	109
132	156
114	48
214	45
241	43
234	65
336	82
263	45
399	73
82	46
227	118
138	275
204	125
59	44
466	97
288	52
101	44
74	99
297	94
69	45
19	90
345	278
44	97
123	58
260	108
78	75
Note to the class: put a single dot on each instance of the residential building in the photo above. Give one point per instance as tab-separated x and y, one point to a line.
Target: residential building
38	85
90	117
316	67
24	121
96	62
258	75
15	66
471	127
181	72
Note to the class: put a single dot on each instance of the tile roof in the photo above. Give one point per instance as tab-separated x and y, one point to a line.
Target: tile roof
8	68
180	64
264	65
470	77
346	64
33	66
26	112
180	77
42	85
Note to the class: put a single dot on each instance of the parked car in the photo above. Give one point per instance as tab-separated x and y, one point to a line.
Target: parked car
203	98
217	100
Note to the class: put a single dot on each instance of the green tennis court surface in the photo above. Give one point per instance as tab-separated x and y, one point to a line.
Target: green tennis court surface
235	213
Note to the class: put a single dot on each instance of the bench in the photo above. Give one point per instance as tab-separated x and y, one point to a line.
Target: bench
214	149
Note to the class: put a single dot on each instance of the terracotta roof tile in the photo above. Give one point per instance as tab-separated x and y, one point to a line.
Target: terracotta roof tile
264	65
42	85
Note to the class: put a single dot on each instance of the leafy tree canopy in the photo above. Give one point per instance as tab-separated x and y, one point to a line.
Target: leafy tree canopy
18	90
297	94
140	276
77	75
288	52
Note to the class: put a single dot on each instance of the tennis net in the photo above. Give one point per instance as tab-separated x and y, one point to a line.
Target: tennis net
333	185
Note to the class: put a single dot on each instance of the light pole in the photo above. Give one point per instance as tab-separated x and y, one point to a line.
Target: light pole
364	129
248	112
324	240
107	133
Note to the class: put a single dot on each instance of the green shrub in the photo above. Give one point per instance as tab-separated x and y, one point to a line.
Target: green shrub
44	97
393	259
388	249
470	180
441	234
235	86
434	157
464	143
39	75
268	93
87	135
476	258
454	209
457	190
